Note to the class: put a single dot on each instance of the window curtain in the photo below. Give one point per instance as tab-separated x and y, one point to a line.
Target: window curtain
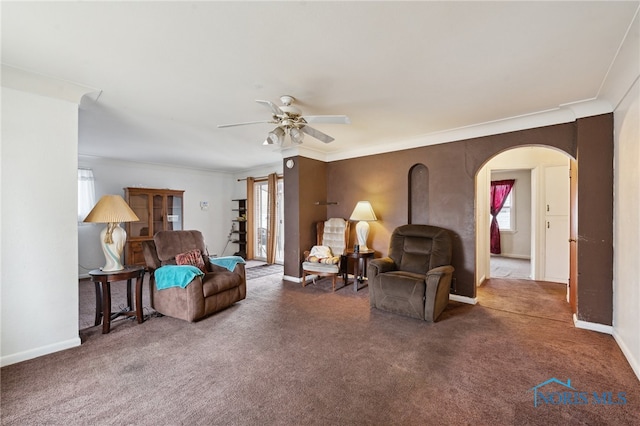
272	214
86	193
500	189
250	217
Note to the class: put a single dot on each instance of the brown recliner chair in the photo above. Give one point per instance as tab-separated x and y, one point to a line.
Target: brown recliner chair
216	290
414	280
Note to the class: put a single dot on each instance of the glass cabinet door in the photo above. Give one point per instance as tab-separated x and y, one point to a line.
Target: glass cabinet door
158	213
174	214
139	203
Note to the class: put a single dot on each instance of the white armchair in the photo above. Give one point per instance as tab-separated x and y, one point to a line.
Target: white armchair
325	259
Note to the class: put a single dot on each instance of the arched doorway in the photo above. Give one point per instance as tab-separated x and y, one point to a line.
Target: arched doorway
537	231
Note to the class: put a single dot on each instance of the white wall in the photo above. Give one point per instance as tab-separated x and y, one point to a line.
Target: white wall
39	286
626	224
517	243
112	176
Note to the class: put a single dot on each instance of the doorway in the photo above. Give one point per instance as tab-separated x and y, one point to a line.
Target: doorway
546	241
512	257
260	223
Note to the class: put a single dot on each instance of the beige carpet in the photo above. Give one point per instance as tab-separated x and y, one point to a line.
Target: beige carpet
289	355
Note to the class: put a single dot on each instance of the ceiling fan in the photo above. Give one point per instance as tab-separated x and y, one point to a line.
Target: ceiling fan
290	121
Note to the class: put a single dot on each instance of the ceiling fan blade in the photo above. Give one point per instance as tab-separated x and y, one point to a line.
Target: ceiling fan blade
274	108
329	119
316	134
220	126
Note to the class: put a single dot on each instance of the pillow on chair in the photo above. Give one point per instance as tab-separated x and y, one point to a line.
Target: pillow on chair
192	257
322	254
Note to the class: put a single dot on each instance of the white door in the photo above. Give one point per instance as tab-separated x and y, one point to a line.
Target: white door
556	264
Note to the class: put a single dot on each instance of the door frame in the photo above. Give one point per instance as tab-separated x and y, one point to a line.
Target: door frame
572	293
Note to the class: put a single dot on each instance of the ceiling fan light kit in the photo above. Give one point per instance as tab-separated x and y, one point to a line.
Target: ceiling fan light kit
291	122
296	135
275	137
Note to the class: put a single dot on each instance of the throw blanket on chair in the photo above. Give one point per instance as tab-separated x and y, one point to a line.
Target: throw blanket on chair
228	262
176	276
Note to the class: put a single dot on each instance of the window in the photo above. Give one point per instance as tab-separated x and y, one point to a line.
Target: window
506	217
86	193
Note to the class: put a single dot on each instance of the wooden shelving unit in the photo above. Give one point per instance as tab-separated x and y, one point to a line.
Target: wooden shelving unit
239	231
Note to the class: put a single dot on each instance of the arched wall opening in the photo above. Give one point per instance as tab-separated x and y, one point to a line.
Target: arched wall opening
418	194
541	227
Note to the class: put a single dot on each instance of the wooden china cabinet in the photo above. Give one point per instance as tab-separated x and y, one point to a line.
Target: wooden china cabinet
158	210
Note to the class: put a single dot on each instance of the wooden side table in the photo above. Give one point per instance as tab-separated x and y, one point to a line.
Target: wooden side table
103	296
359	265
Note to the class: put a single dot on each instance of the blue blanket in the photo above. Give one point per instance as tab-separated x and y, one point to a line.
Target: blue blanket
176	276
228	262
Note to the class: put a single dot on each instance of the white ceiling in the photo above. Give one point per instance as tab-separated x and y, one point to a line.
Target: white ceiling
170	72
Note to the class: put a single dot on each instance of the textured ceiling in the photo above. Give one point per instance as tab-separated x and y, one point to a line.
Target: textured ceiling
170	72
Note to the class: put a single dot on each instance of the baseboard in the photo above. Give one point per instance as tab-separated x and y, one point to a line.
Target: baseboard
633	362
292	279
463	299
37	352
600	328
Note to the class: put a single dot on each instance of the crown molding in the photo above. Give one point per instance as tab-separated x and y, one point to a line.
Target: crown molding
39	84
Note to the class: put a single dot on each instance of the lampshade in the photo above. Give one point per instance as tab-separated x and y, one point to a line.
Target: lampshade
364	214
111	209
363	211
296	135
276	136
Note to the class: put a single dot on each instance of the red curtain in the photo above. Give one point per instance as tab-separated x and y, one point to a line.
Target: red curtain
500	189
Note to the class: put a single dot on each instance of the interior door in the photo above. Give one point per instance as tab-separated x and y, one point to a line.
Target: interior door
573	235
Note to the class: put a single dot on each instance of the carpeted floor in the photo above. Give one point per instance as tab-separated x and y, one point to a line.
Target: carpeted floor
291	355
539	299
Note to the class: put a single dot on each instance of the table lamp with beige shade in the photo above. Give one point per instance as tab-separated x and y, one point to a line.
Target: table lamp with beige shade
112	210
364	214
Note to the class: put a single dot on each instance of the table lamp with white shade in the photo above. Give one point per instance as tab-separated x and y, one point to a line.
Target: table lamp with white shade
364	214
112	210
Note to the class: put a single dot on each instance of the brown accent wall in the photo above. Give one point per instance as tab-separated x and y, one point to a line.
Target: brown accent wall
304	185
383	180
595	219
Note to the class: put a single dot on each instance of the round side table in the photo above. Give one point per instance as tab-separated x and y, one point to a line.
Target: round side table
103	296
359	265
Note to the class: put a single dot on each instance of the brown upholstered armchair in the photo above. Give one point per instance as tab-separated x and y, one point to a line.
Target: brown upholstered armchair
414	280
216	289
